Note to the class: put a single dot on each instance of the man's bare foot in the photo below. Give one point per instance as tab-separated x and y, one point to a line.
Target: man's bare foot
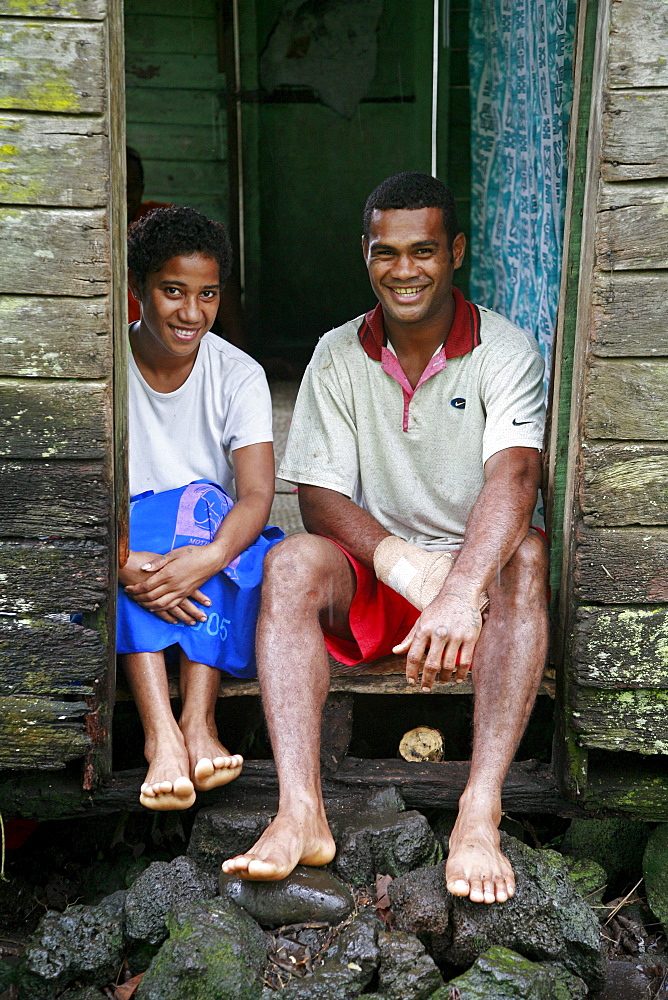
167	785
288	841
211	764
476	867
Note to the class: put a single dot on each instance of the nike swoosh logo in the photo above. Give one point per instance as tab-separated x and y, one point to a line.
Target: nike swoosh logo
518	423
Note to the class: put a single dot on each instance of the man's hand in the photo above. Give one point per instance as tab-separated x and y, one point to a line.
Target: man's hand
449	626
167	585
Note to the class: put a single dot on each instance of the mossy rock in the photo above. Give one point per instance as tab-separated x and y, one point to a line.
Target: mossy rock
655	873
502	974
616	844
588	877
215	951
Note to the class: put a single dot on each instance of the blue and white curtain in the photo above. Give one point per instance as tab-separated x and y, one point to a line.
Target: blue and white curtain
520	62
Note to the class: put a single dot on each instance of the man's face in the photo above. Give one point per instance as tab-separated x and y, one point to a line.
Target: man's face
179	303
409	263
135	188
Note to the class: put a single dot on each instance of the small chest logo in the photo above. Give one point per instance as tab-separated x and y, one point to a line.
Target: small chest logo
458	403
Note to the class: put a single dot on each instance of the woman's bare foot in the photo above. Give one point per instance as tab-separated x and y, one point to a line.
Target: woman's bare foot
167	785
211	764
291	839
476	867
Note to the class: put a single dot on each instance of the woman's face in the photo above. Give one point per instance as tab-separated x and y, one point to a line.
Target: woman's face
179	303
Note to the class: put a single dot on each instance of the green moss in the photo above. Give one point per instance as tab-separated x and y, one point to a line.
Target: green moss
53	93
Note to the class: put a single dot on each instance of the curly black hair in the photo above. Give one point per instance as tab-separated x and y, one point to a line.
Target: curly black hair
413	190
176	232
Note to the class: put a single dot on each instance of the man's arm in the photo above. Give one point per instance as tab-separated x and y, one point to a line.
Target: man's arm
497	525
326	512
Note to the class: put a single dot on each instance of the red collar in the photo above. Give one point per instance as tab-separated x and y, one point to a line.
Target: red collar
464	333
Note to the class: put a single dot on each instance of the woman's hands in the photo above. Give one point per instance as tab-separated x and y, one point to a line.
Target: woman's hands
167	585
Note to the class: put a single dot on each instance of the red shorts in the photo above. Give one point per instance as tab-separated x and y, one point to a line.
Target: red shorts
379	618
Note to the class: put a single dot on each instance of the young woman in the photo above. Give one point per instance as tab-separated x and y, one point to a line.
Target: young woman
199	413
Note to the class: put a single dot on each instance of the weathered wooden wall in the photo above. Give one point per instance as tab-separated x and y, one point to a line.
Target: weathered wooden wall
58	83
176	112
616	652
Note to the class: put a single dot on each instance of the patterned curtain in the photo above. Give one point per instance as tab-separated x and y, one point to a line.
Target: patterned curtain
520	59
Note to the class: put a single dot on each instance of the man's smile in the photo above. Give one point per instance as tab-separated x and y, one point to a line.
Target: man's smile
182	333
406	293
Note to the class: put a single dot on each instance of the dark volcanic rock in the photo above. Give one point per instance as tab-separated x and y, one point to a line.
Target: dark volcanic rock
156	890
349	967
222	832
655	872
387	842
502	974
546	920
86	993
617	844
406	971
306	894
215	951
84	943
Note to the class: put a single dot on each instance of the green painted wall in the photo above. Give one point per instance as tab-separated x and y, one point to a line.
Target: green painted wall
176	116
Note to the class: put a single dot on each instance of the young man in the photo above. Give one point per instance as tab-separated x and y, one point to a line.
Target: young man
416	445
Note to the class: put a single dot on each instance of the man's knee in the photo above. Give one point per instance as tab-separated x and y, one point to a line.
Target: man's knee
525	572
298	565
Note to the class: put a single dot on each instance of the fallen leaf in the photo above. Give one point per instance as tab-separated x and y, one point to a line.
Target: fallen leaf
383	906
128	989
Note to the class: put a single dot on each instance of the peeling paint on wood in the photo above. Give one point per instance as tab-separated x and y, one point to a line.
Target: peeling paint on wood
638	56
61	251
67	500
53	160
42	419
635	721
624	484
630	314
635	135
627	399
52	66
621	565
40	578
621	647
39	733
55	337
43	656
92	10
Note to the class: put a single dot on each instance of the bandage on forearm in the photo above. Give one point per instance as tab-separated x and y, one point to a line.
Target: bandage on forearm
413	572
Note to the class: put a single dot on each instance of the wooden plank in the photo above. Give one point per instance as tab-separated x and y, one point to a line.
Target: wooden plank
91	10
191	72
635	135
53	160
54	499
624	484
54	337
41	419
52	66
52	578
48	657
621	647
627	399
630	314
60	251
631	226
639	30
154	33
186	107
621	565
635	721
179	141
36	732
639	787
530	787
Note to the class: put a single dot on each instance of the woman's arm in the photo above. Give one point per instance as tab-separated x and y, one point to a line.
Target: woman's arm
176	576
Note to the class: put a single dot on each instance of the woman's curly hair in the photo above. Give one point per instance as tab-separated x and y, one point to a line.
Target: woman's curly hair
176	232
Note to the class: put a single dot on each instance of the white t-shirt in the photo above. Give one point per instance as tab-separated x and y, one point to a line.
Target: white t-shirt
177	437
416	462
